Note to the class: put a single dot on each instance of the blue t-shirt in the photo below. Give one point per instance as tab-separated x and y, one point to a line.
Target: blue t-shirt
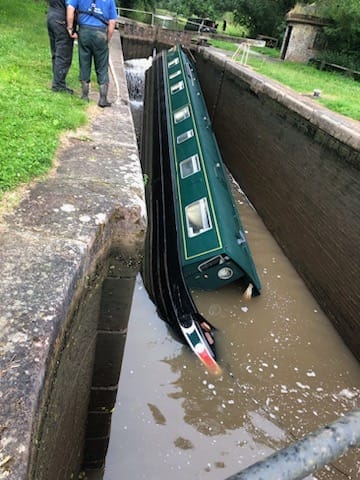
103	8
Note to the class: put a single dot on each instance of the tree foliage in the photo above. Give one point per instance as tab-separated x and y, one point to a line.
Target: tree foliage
343	34
264	16
148	5
260	16
267	17
199	8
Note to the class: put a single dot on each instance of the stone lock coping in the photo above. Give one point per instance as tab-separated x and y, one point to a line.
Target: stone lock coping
91	202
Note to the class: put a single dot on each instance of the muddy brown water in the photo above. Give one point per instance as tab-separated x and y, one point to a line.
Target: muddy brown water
286	372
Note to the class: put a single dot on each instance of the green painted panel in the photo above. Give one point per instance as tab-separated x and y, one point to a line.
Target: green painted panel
226	235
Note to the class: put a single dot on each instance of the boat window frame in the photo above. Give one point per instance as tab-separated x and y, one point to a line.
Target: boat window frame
211	262
183	137
186	115
173	62
177	87
174	74
205	217
194	161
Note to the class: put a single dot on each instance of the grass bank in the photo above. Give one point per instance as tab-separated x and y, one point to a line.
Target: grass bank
32	117
338	92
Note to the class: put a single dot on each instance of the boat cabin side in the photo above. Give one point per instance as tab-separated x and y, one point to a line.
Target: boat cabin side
212	242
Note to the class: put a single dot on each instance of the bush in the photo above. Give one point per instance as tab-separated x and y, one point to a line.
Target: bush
351	61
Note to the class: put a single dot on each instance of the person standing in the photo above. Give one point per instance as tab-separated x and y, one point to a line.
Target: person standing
61	45
96	19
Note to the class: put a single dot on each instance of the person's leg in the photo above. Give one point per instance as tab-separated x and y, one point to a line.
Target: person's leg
63	57
52	44
51	25
101	60
85	60
103	100
101	56
85	54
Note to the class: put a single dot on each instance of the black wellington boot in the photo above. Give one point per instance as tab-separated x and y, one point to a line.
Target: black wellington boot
85	90
103	101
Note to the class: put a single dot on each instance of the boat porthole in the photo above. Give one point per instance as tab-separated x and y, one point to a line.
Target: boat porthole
225	273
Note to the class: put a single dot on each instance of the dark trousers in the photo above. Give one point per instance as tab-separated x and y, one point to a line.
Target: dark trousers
61	46
93	44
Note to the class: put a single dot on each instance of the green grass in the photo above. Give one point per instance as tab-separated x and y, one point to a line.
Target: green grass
32	117
231	47
269	52
338	92
224	45
233	29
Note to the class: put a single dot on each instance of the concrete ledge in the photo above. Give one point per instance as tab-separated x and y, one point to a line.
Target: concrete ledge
54	252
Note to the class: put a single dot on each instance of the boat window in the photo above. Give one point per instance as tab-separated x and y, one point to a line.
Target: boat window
173	62
198	218
212	262
185	136
175	74
189	166
177	87
181	114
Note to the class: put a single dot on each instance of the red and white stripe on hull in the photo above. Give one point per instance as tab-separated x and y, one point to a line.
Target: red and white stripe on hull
201	348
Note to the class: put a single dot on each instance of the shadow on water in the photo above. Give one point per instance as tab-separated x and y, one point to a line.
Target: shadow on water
285	373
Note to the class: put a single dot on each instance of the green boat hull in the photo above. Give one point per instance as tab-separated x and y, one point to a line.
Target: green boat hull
211	240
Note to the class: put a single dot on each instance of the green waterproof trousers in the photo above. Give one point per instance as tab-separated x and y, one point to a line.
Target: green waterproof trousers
93	44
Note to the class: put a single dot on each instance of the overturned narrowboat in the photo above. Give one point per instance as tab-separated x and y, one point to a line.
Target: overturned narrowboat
195	238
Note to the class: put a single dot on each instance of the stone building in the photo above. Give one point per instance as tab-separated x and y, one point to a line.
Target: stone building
303	38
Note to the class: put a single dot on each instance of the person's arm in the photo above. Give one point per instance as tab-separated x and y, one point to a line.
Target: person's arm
70	12
110	30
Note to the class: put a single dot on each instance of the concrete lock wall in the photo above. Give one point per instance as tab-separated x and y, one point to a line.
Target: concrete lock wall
75	412
299	165
71	245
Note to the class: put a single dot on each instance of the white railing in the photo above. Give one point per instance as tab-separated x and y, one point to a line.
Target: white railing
143	12
162	20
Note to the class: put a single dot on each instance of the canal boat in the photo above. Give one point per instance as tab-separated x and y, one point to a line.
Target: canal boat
195	239
211	240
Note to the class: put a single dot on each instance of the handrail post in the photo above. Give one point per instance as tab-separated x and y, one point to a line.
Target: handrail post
309	454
